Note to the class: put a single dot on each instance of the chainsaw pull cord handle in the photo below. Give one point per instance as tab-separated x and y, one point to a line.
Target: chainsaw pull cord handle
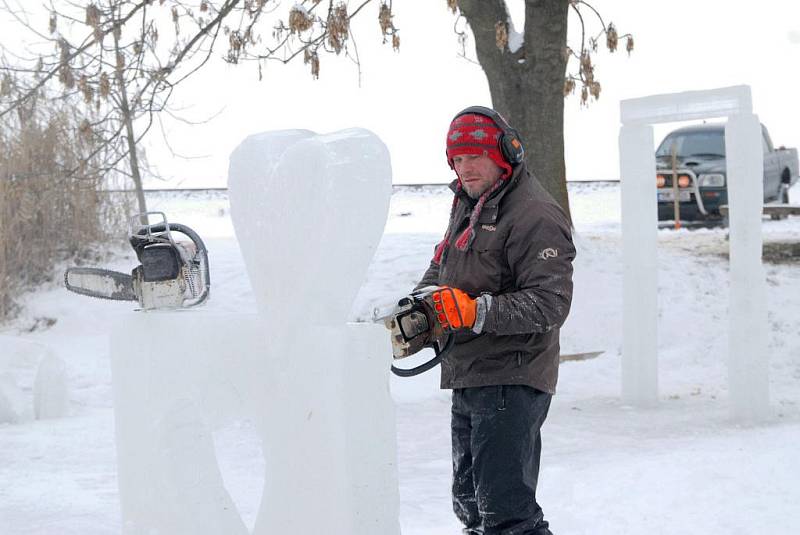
201	251
422	368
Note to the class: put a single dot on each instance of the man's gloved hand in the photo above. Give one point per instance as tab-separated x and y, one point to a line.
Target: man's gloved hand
454	308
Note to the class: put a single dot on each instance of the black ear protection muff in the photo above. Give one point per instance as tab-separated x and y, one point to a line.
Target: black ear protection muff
509	143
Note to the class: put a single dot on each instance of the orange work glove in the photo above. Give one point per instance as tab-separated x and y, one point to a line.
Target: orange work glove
454	308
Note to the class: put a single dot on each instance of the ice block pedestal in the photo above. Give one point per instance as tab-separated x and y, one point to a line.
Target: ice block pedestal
175	376
328	432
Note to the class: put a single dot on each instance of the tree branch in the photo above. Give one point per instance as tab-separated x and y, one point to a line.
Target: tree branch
83	48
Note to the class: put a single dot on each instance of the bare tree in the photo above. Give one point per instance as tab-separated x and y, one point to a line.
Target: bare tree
528	76
115	54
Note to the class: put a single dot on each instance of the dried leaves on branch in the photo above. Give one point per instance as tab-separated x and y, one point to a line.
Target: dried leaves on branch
103	45
584	76
81	36
313	28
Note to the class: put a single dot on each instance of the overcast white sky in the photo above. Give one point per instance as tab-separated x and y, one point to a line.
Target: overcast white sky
408	98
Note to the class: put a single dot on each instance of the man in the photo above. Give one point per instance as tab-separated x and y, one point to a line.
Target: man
506	267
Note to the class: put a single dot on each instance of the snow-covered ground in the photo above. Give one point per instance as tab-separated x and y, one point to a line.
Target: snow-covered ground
606	468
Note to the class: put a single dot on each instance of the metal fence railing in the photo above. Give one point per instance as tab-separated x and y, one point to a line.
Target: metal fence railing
396	187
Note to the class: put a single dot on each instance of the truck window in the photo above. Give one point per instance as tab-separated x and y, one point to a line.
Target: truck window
702	143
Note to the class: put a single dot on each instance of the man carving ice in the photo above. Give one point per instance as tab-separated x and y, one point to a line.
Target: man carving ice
507	255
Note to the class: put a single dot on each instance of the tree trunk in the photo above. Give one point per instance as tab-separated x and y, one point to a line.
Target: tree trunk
125	111
527	86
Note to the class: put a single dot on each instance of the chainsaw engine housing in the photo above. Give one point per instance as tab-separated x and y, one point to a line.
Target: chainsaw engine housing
410	327
414	327
172	274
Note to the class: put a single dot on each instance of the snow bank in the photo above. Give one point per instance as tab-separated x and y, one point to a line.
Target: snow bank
33	382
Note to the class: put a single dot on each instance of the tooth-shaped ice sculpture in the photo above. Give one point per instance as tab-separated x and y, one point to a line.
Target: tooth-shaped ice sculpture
309	211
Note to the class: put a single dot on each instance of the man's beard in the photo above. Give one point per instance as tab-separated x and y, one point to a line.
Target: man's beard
475	195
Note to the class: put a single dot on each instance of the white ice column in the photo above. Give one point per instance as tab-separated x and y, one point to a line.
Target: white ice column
639	257
748	362
329	439
177	375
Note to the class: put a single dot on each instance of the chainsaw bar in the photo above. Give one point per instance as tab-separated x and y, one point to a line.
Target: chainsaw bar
100	283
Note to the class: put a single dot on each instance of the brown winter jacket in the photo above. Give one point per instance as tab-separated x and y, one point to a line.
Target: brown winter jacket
522	255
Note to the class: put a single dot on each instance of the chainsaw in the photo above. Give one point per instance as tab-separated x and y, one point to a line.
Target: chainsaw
414	327
171	275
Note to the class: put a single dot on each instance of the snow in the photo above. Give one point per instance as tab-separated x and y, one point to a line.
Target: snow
32	381
606	467
301	8
515	39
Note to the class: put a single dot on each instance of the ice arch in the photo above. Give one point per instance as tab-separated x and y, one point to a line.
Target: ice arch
747	359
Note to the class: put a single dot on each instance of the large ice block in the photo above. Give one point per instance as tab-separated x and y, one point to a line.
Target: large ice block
330	446
328	431
309	212
175	377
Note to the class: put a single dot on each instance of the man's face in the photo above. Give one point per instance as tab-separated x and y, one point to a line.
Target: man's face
478	173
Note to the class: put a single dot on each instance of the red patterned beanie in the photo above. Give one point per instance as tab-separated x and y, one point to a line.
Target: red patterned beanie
473	133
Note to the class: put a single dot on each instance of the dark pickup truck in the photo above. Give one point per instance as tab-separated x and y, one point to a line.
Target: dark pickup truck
701	174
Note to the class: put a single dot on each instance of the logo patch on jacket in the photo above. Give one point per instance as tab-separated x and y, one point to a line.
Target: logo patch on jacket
546	254
490	228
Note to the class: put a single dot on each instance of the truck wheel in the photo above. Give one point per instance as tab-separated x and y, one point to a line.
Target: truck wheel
783	195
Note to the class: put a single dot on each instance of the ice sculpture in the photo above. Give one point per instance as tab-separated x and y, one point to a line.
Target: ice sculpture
308	211
747	362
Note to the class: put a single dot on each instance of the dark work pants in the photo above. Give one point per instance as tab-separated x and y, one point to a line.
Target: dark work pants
496	450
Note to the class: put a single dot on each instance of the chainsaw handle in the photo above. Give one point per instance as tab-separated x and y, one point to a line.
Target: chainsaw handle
422	368
202	252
